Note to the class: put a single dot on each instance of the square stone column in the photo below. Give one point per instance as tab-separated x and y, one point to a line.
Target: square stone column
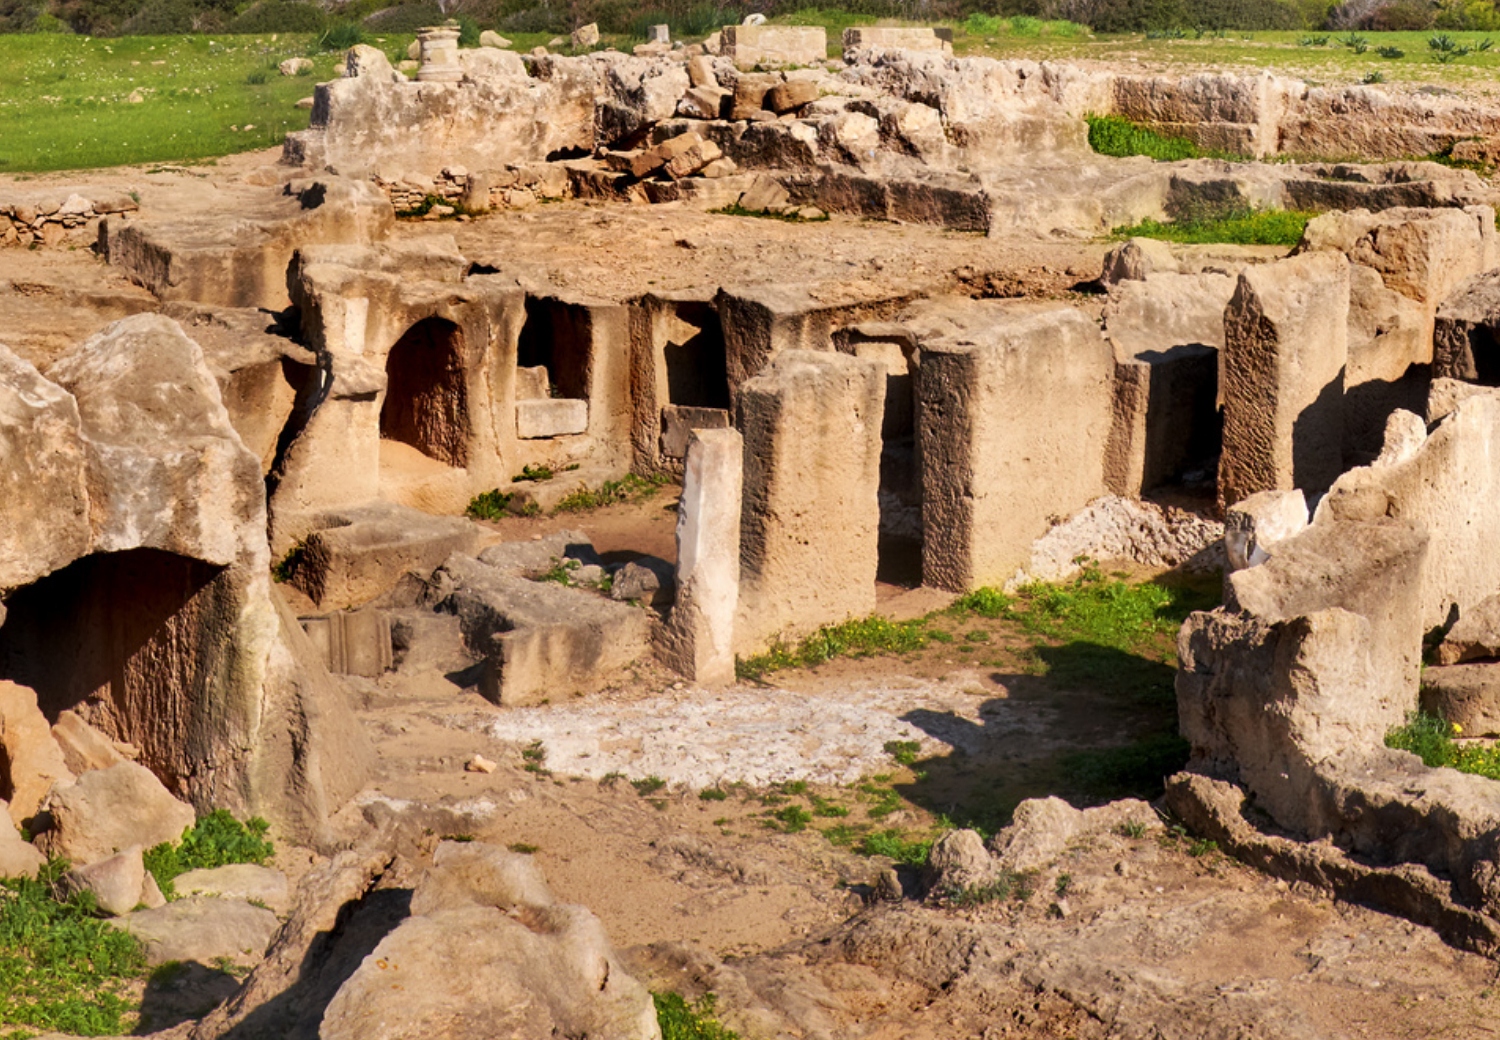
698	639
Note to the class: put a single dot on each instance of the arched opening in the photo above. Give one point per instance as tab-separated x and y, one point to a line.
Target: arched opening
426	397
129	640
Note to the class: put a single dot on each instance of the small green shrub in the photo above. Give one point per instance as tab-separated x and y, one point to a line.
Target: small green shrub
1008	885
1431	739
489	505
895	845
680	1020
216	840
1312	41
257	77
790	819
536	472
1372	77
1393	53
286	568
339	37
713	794
627	489
648	785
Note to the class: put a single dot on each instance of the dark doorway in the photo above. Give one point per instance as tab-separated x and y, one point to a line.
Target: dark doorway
426	397
557	337
697	371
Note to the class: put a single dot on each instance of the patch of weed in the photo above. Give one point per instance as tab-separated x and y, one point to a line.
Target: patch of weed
790	819
535	472
895	845
734	209
1133	829
1264	227
648	785
1008	885
680	1020
216	840
843	834
713	794
1131	768
1431	739
285	569
61	967
628	488
856	638
903	751
489	505
560	572
534	757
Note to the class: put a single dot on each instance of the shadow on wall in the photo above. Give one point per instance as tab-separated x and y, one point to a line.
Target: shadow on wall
132	632
1091	724
426	398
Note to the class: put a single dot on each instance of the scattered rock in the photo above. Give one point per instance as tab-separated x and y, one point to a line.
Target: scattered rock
202	929
108	810
305	104
1475	635
490	38
648	579
246	881
959	861
295	66
586	36
29	755
18	857
479	764
119	883
83	747
1134	259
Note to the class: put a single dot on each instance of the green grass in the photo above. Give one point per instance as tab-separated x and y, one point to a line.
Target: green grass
1431	739
1265	227
859	638
628	488
489	505
216	840
895	845
680	1020
1112	135
64	99
1008	885
61	967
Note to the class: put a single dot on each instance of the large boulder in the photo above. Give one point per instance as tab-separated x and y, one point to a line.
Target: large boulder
18	857
109	810
204	930
488	953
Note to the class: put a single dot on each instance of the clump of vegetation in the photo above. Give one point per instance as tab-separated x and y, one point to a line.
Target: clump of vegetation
860	638
789	819
1113	135
1007	885
628	488
285	569
1250	227
216	840
893	844
680	1020
1432	740
534	755
489	505
560	572
62	968
648	785
339	37
903	751
447	209
1393	53
539	472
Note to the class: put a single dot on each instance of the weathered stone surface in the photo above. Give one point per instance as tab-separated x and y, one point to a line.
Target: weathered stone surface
811	423
960	861
363	552
118	882
18	857
1042	829
1466	341
586	36
109	810
1465	695
1135	259
42	470
84	747
699	637
1286	344
490	38
1475	635
483	955
905	38
1015	406
31	760
244	881
647	579
792	95
539	640
749	46
1253	526
203	930
551	417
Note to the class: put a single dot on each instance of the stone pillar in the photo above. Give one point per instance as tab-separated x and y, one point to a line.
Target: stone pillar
698	639
439	50
1286	344
809	532
1013	420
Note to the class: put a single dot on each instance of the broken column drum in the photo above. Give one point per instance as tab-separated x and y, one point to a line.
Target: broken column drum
439	50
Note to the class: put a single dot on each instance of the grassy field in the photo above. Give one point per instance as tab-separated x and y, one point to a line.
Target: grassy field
65	101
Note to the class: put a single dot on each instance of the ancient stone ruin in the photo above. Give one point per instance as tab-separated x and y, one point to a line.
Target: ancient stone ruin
282	472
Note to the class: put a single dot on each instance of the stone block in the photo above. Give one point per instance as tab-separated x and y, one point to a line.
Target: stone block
705	102
897	38
1475	635
84	747
532	383
541	418
700	71
699	637
1281	376
363	552
690	161
539	640
750	92
1255	525
586	36
811	423
679	421
749	46
354	642
1014	413
643	164
792	95
203	930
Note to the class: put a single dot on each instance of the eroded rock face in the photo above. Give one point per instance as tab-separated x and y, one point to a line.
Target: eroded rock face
487	952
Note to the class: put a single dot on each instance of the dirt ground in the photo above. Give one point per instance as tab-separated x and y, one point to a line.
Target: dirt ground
1150	935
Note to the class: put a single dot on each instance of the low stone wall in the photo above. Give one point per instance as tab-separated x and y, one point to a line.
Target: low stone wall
40	219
